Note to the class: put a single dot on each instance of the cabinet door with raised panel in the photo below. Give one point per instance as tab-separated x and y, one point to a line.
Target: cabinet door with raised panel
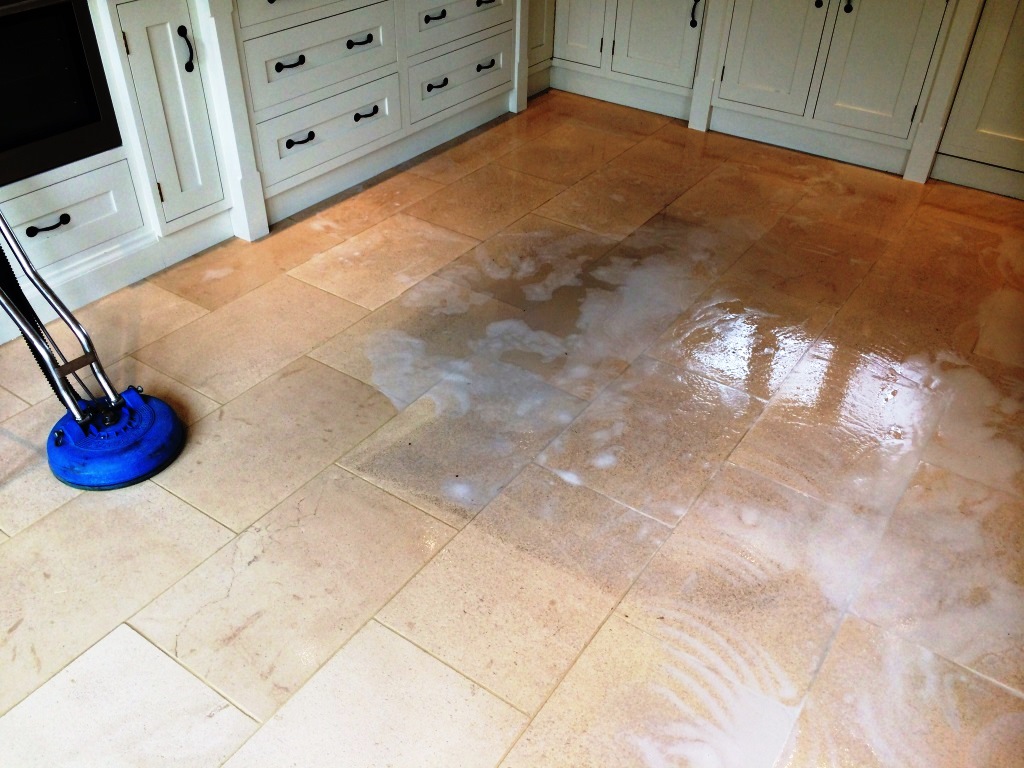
165	69
770	55
579	31
987	121
657	40
877	62
541	33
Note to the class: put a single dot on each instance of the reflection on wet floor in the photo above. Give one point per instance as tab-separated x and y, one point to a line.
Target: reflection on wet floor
586	440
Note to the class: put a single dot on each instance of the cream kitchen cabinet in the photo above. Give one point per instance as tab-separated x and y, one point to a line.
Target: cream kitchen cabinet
541	32
854	63
579	31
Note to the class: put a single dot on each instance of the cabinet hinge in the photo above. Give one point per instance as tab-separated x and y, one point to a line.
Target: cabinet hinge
124	36
160	191
913	114
600	48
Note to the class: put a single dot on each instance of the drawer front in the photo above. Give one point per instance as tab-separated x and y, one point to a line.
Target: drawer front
94	207
430	23
302	139
450	79
302	59
256	11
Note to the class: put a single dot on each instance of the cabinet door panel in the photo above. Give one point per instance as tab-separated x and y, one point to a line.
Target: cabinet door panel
654	39
987	121
770	55
877	62
541	34
173	103
579	27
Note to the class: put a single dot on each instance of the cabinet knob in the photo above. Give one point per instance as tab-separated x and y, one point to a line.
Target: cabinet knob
279	67
693	15
292	142
183	34
62	221
819	3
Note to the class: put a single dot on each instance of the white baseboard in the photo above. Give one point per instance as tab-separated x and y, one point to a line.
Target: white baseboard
968	173
630	94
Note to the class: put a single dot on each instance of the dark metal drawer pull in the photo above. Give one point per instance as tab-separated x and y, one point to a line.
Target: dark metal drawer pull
482	67
271	1
428	18
352	43
439	86
292	142
693	15
819	3
357	117
848	8
279	67
33	231
483	2
183	34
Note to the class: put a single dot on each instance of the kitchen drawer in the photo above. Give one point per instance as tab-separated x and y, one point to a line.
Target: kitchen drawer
302	59
300	140
430	23
448	80
88	209
256	11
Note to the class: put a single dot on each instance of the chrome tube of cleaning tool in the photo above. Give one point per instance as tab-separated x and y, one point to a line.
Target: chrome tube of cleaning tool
89	356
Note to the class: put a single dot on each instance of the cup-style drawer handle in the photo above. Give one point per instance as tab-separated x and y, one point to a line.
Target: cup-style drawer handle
350	44
483	2
62	221
292	142
357	117
428	18
488	65
439	86
279	67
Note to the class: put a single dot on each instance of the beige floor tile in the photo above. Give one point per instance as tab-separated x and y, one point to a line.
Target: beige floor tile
406	346
382	701
1001	335
766	158
754	582
604	115
454	449
256	621
567	153
370	204
846	426
28	490
736	201
981	433
384	261
122	703
10	405
76	574
673	150
537	120
119	324
459	158
633	700
947	575
248	456
745	335
612	202
974	205
516	596
486	201
231	349
223	273
880	702
653	439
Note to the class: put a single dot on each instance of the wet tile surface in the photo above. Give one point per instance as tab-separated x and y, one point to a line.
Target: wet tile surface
584	439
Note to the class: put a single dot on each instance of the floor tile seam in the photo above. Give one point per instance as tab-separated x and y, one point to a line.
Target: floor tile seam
1015	495
891	632
20	399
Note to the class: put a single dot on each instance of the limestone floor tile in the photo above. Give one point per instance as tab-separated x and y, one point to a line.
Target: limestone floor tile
533	123
974	205
119	324
405	347
122	703
527	261
1001	335
72	577
881	702
516	596
612	202
10	405
567	153
947	575
754	582
384	261
653	439
231	269
981	433
466	154
745	335
371	204
737	201
382	701
246	457
673	150
455	448
634	123
875	202
632	699
28	489
257	619
486	201
766	158
231	349
846	426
